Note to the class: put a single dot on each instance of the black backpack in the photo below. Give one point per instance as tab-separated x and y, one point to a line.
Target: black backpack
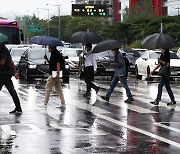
62	65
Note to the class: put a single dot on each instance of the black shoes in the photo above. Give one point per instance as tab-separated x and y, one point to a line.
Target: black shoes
129	100
172	103
155	102
105	98
15	112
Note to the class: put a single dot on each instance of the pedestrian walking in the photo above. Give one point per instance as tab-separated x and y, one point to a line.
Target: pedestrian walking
55	62
119	75
164	60
7	70
90	70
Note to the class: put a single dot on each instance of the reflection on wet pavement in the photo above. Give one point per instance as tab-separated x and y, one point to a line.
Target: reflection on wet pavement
90	125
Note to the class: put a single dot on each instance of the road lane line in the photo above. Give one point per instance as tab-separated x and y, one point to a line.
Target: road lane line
167	127
140	130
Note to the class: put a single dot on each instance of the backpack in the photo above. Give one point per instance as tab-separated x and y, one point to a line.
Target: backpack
62	63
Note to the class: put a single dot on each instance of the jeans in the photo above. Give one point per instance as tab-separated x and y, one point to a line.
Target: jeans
164	81
6	80
123	81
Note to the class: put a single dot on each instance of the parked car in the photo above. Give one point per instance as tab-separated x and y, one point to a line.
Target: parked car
103	60
16	54
149	60
178	53
33	65
73	58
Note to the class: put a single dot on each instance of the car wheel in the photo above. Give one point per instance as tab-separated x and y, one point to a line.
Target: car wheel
26	75
137	76
148	78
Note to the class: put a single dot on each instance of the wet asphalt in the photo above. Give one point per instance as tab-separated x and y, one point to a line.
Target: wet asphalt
90	125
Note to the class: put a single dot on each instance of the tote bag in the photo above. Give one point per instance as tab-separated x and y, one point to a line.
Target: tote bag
164	71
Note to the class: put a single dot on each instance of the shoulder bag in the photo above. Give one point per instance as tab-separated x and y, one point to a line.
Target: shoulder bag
164	71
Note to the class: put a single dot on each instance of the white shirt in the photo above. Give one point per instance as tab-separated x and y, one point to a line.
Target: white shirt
90	60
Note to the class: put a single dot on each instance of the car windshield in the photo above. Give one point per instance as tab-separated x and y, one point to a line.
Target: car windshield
108	53
70	53
38	53
133	53
156	55
17	52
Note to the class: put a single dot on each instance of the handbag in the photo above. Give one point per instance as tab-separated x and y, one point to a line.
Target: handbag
164	71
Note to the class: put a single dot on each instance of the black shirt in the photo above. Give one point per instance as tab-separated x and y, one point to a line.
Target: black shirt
165	58
55	58
6	69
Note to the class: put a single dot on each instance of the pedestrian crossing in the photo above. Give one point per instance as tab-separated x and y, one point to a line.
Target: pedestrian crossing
116	111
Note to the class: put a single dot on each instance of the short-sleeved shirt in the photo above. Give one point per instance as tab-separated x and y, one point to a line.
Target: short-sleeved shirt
6	69
165	58
55	58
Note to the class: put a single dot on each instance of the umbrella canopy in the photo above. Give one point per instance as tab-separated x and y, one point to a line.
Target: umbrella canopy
158	41
3	38
45	40
85	37
106	45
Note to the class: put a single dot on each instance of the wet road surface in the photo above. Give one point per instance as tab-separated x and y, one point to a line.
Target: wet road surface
90	125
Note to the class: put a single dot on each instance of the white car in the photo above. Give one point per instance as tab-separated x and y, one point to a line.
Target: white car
149	60
73	57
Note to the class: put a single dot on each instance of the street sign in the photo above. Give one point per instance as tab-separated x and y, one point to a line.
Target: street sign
34	28
96	10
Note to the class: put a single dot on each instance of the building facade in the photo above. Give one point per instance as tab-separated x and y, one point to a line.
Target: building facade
115	6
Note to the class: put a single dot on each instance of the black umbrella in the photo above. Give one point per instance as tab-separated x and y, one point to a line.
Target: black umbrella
158	41
106	45
45	40
85	37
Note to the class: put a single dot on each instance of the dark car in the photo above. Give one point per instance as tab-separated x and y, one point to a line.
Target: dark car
33	65
16	54
103	60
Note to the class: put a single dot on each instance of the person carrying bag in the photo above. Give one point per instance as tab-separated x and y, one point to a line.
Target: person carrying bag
164	72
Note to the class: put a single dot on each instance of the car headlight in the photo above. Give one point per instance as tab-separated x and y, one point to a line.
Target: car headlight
32	66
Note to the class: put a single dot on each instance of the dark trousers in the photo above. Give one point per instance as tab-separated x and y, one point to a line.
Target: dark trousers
5	80
164	81
89	77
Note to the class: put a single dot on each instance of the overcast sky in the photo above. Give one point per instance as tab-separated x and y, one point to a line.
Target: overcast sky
11	8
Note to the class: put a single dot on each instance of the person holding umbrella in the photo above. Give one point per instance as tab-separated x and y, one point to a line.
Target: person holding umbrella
90	70
55	62
7	70
164	60
119	75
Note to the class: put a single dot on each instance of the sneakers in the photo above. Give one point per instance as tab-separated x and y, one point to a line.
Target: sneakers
105	98
129	100
15	111
172	103
155	102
